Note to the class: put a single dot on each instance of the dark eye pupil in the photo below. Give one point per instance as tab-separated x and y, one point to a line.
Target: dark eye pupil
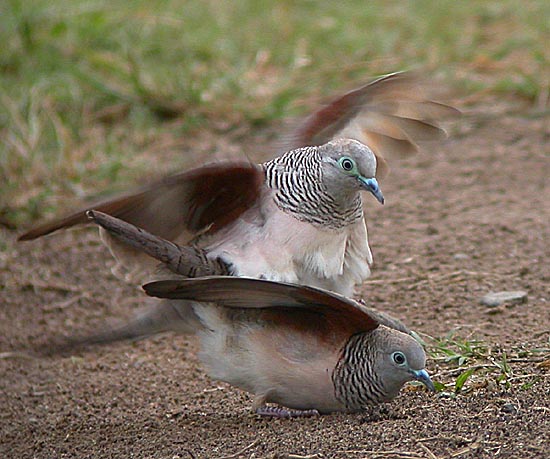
347	165
398	358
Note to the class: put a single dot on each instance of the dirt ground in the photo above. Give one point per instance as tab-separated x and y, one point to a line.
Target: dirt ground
462	219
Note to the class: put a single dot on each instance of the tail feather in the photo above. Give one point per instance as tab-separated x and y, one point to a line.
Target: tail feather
188	261
166	316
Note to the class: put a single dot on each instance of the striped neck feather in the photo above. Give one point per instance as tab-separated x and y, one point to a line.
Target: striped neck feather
297	177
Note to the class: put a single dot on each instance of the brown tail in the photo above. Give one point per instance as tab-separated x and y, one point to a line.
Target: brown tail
187	261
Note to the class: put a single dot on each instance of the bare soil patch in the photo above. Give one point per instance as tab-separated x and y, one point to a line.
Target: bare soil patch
466	218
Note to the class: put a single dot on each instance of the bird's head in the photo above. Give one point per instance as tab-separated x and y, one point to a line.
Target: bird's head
374	366
401	359
349	166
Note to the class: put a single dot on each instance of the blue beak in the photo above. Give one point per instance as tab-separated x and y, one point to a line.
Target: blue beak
424	378
370	184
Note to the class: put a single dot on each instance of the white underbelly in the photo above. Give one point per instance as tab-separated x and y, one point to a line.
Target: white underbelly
287	250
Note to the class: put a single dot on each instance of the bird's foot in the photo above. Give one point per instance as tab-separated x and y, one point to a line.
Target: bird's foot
283	413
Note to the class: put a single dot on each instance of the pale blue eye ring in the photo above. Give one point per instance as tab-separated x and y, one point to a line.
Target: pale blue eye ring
398	358
347	164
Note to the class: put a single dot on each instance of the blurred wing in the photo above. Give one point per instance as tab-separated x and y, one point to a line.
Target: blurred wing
240	292
212	195
389	115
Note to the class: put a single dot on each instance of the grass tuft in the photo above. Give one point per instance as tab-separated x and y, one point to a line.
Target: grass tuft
464	365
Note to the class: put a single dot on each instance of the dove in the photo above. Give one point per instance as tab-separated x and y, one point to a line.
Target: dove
305	226
298	346
296	218
307	350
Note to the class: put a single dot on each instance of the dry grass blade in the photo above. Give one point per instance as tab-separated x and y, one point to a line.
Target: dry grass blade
63	304
474	446
48	285
452	277
15	355
296	456
428	451
241	451
392	454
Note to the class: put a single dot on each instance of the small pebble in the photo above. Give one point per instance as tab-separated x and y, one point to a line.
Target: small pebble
497	298
509	408
460	256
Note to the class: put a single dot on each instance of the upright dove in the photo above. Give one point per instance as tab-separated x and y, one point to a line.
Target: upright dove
309	350
297	218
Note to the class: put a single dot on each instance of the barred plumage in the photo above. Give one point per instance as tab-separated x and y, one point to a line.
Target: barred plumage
356	384
297	218
297	177
303	348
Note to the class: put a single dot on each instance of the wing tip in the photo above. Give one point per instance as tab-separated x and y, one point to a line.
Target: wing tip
35	233
52	227
25	237
158	289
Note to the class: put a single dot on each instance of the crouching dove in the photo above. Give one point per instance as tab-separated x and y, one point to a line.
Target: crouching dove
297	218
299	347
306	349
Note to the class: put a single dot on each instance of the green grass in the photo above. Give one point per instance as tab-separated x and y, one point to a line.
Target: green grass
464	365
86	87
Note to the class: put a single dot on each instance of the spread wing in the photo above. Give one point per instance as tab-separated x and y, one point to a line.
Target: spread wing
390	115
249	293
208	196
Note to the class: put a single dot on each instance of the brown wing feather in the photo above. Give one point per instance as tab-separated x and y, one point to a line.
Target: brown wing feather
248	293
214	194
389	115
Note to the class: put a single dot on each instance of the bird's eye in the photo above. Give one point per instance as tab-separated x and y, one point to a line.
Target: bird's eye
347	164
398	358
